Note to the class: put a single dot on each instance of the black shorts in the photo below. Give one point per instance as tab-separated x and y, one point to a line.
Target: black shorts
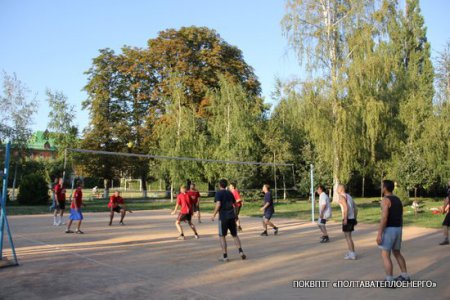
61	205
117	209
237	210
446	220
268	215
196	207
351	223
184	217
226	225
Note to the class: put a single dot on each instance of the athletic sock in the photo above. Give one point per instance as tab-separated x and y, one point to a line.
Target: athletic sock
389	278
225	255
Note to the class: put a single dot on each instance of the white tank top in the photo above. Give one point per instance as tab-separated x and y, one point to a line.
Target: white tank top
350	207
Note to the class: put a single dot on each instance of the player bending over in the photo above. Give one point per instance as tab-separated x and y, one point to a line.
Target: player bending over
75	209
225	201
349	214
237	205
117	205
389	238
268	211
324	212
194	194
186	211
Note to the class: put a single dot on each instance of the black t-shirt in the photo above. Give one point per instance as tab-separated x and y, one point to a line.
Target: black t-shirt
395	217
226	211
268	199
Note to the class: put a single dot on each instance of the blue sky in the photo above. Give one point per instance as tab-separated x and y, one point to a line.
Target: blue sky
50	43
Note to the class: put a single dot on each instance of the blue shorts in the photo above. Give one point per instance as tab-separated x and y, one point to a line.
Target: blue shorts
76	214
391	239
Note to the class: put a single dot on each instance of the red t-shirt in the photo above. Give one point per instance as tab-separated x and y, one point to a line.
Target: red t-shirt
58	192
63	196
194	195
115	201
77	199
237	197
184	201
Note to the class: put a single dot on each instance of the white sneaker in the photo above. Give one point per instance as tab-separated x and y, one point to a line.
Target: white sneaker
350	256
224	259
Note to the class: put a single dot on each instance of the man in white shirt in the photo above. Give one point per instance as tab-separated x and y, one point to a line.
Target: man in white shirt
349	215
324	212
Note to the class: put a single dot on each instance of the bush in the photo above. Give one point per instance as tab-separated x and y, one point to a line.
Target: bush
33	190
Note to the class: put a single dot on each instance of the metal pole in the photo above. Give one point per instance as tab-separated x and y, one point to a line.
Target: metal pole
275	178
312	193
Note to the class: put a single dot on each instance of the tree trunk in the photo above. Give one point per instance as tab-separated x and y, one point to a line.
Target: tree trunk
171	192
363	185
144	186
13	196
106	190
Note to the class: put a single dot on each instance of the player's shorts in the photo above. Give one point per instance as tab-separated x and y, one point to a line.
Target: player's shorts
60	205
351	223
237	210
268	215
76	214
446	220
184	217
117	209
322	221
196	207
391	239
226	225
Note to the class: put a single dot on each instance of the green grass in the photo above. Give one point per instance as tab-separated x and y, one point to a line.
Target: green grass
369	210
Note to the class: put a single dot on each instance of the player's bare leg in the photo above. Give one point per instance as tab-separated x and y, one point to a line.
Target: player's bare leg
193	229
111	217
237	242
387	263
445	231
123	212
180	230
223	245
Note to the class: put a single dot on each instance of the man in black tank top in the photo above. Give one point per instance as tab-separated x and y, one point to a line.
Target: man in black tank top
446	211
389	237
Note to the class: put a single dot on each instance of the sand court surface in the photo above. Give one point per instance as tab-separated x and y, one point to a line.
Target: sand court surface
143	260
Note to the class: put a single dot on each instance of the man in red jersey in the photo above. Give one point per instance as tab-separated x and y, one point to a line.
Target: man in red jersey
117	204
184	202
60	203
75	209
194	194
238	204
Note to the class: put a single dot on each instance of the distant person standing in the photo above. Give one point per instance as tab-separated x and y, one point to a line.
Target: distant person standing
194	194
225	201
60	203
446	211
349	215
324	212
268	210
389	236
237	205
117	205
75	209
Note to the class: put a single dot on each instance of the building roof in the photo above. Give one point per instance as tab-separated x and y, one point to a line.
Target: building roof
41	140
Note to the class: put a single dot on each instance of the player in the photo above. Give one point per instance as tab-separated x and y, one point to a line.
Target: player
184	201
75	209
446	223
225	201
324	212
389	236
237	205
194	194
60	203
117	204
268	210
349	215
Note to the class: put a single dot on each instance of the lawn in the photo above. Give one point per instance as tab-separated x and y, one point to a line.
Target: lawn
369	209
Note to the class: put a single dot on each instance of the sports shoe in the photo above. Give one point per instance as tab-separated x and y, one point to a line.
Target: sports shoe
181	237
325	239
196	236
264	233
243	256
121	223
275	231
224	259
79	232
401	278
69	231
350	256
445	242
